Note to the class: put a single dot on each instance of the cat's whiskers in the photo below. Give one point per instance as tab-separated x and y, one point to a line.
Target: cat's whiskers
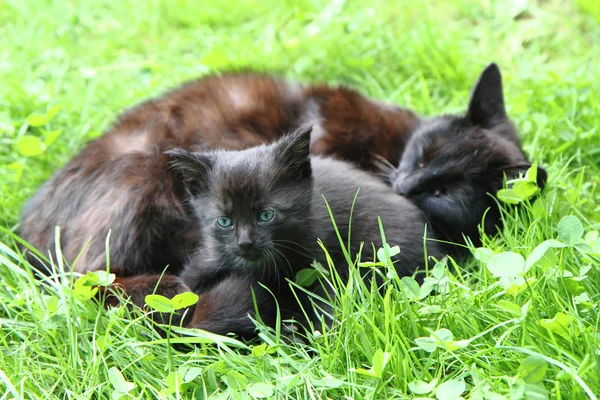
384	167
272	269
385	170
208	246
184	202
299	195
291	269
294	243
294	250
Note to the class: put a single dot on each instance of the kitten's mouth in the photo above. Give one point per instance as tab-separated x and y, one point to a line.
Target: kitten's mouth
250	262
251	257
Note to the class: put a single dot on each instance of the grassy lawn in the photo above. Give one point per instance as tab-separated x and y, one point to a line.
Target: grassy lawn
67	68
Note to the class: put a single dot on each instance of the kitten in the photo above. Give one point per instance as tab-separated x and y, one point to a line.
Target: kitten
453	166
121	182
262	210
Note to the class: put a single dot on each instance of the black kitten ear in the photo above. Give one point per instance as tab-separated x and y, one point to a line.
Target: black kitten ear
514	172
193	168
487	101
294	153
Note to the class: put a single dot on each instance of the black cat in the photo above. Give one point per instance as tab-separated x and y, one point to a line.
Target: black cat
262	211
453	166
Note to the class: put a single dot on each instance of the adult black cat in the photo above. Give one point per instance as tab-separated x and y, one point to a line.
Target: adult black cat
262	210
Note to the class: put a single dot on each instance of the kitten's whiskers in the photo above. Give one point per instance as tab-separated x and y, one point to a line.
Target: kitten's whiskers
294	250
282	255
293	243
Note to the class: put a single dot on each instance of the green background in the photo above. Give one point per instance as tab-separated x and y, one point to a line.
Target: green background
68	68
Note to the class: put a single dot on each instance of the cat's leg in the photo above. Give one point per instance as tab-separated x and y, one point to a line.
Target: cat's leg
232	304
229	306
136	288
201	279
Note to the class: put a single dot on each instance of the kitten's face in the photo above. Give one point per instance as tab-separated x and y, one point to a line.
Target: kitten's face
251	202
452	164
248	214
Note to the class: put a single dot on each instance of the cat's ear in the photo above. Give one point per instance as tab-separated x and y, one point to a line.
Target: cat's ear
486	106
514	172
193	168
294	153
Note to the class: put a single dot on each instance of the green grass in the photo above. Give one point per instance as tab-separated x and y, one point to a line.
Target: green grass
94	58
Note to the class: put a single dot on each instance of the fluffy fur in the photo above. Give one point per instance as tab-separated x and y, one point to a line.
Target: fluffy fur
453	166
284	180
122	181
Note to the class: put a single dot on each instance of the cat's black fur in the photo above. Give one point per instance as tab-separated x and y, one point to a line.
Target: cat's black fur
453	166
283	178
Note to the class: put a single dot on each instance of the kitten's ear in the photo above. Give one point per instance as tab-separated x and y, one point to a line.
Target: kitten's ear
486	106
514	172
294	153
193	168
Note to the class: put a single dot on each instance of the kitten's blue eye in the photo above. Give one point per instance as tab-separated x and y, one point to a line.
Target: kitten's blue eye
224	222
266	215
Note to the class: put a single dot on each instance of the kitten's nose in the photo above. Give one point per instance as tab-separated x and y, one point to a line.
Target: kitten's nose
248	250
244	239
401	189
406	184
400	185
402	192
246	245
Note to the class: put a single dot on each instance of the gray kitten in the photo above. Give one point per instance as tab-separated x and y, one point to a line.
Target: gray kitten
261	211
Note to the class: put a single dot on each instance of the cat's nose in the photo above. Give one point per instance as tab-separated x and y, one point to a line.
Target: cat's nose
408	184
248	250
402	187
245	245
244	237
